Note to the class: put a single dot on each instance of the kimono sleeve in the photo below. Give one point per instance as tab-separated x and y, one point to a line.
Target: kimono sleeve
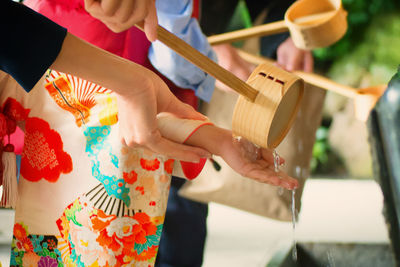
30	43
179	130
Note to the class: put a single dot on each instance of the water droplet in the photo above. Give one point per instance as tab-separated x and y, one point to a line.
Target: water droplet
280	191
304	173
276	160
298	171
300	146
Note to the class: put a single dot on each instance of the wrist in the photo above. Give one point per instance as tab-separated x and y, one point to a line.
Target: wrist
211	138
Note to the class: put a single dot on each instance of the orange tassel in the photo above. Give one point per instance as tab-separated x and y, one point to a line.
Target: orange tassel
10	186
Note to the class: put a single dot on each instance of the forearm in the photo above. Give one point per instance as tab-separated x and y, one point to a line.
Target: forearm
84	60
210	138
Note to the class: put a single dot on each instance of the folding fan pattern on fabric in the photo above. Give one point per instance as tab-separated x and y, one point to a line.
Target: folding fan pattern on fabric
84	198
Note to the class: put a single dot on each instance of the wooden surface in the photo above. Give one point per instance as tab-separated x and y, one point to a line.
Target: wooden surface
266	121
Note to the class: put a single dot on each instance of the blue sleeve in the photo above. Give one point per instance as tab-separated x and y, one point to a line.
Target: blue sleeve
30	43
176	16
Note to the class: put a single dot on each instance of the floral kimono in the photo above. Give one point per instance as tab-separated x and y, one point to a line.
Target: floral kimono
84	198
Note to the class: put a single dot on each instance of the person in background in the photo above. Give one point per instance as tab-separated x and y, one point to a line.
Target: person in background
185	217
278	46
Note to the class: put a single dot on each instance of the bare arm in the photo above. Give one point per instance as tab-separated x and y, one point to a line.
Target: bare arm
141	95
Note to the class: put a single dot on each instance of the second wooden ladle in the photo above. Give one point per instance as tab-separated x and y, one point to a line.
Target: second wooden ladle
312	24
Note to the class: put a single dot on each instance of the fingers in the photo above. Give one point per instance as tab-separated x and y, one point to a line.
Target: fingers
151	22
127	9
109	7
281	56
292	58
178	151
271	177
120	15
308	62
295	61
170	149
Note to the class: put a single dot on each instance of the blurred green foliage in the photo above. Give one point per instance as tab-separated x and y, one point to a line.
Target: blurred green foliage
360	15
324	161
373	61
320	149
367	55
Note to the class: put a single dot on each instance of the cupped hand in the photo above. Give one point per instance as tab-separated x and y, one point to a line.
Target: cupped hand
292	58
120	15
256	163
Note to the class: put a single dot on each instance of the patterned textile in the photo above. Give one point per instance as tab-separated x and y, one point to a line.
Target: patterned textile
84	198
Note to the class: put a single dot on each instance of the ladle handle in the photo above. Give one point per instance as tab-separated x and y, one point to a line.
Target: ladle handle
256	31
204	63
327	84
310	78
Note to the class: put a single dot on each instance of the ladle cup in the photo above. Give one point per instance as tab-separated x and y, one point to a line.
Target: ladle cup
364	98
312	24
269	100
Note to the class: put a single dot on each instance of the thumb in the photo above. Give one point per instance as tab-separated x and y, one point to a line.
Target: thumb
151	23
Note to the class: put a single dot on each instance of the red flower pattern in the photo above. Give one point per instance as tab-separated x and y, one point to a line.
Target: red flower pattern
169	165
130	177
43	155
150	165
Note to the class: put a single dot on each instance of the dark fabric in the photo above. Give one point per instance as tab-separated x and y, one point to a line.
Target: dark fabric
215	17
184	233
276	12
29	43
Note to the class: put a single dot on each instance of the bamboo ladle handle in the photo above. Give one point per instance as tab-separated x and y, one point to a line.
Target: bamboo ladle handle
267	29
204	63
327	84
256	31
311	78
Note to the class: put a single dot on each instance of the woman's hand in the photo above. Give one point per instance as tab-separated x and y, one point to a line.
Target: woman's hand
255	163
242	156
137	111
292	58
120	15
229	59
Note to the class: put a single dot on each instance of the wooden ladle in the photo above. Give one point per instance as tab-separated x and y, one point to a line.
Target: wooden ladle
312	24
364	98
268	102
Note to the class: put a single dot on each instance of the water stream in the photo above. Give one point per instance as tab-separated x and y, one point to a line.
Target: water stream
294	251
276	166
